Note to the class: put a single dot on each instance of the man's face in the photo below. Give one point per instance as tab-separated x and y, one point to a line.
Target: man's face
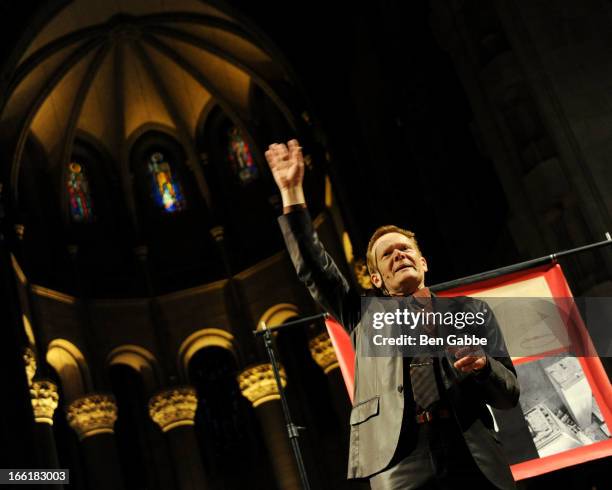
401	267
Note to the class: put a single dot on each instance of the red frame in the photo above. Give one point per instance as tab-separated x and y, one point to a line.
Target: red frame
592	367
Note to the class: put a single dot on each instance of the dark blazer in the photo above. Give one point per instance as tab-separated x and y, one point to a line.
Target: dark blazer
376	417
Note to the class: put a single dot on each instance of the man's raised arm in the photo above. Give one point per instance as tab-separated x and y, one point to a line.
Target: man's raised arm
314	267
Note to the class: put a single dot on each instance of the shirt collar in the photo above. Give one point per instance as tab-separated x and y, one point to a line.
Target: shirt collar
422	297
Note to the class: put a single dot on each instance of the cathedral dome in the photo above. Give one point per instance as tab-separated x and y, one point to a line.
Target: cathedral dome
136	124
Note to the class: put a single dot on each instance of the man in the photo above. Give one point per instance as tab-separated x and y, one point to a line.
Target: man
419	422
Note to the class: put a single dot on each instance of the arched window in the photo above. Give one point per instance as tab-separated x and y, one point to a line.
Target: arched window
240	157
166	188
79	194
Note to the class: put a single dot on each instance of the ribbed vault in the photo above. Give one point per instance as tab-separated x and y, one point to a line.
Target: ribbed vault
106	85
106	69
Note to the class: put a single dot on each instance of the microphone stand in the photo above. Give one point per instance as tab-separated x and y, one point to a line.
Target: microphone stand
292	429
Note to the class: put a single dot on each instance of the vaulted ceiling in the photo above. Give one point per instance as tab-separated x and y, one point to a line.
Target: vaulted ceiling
105	73
108	68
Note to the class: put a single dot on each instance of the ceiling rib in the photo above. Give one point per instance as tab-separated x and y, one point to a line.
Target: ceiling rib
123	163
205	20
100	29
191	18
50	49
198	76
51	83
206	46
79	100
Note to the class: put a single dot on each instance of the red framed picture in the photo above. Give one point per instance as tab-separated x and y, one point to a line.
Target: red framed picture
565	409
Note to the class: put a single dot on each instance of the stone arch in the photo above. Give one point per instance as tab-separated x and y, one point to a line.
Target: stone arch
207	337
140	360
151	127
71	367
278	314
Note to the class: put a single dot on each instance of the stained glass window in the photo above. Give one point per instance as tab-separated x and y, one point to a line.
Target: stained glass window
81	209
166	188
240	156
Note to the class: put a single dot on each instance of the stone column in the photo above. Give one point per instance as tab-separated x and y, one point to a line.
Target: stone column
44	397
174	411
93	418
258	385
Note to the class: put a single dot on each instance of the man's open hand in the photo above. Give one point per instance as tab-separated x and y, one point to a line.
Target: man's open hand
287	164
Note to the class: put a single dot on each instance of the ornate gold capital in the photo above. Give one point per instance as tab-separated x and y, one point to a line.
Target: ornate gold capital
323	353
19	231
30	364
92	414
258	385
217	232
44	398
362	275
174	407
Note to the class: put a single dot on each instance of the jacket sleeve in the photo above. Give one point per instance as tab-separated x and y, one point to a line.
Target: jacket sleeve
498	381
317	270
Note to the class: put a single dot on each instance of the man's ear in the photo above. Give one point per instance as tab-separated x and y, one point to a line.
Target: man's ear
376	279
424	262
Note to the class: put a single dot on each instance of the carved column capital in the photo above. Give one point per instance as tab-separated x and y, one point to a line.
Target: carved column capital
362	275
30	364
174	407
44	398
92	414
19	231
258	385
323	353
218	233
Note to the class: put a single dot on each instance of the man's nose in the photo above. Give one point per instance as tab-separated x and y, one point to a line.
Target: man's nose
398	254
